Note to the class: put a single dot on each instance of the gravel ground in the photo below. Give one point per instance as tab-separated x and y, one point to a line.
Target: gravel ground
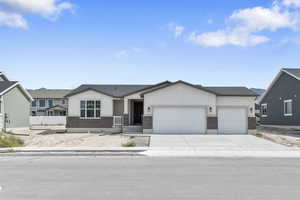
287	140
55	137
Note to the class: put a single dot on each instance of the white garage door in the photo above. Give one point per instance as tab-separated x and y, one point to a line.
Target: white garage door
173	120
232	121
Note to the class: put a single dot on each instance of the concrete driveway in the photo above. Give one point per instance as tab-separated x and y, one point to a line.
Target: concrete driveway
213	142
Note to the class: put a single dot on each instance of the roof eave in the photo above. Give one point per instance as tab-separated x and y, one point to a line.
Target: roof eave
147	88
183	82
87	89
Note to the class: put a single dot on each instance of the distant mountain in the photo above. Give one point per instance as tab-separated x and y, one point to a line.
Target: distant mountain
258	90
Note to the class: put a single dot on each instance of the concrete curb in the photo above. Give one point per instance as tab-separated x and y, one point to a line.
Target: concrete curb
72	150
224	154
63	154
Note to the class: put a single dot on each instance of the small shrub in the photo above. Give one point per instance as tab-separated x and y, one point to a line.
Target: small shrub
259	135
10	141
129	144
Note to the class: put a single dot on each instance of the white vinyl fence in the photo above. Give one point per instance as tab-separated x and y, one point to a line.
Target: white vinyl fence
1	121
47	120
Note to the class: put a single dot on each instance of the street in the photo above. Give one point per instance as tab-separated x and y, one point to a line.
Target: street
138	177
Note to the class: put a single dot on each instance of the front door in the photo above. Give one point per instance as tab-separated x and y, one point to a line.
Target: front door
138	110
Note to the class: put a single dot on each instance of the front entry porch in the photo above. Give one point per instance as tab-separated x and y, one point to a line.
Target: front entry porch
136	112
133	123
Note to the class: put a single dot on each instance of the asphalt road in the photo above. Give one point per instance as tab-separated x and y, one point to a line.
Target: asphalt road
117	178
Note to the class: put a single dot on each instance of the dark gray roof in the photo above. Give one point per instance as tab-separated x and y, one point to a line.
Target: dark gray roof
6	84
293	71
232	91
124	90
111	90
48	93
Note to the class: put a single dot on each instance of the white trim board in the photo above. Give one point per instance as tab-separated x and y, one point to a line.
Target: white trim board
22	89
274	81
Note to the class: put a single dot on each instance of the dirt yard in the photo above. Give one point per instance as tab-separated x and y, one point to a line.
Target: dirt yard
55	137
280	136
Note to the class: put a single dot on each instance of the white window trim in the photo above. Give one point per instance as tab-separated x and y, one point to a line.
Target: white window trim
287	101
86	108
262	105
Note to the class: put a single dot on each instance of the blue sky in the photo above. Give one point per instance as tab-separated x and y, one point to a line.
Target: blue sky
62	44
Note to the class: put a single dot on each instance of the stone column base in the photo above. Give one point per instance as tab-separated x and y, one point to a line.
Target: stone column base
147	131
252	132
212	132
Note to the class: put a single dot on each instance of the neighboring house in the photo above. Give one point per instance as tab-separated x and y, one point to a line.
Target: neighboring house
257	106
49	102
14	105
167	108
280	104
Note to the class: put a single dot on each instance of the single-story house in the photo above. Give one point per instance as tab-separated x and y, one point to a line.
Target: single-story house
14	105
280	103
164	108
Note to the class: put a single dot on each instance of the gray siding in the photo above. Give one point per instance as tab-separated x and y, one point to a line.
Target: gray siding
286	87
118	107
17	108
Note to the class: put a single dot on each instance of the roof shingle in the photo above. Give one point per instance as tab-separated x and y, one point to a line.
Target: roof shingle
123	90
6	84
293	71
44	93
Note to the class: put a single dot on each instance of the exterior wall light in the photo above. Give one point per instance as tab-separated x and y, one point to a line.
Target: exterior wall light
148	108
251	110
210	109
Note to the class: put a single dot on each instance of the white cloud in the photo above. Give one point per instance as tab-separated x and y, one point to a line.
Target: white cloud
14	10
176	29
122	53
12	20
295	3
245	24
222	37
258	18
126	52
42	7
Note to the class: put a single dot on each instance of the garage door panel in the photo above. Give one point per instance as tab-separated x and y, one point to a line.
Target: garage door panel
179	120
232	121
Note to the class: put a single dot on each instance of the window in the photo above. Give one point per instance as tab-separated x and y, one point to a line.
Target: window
64	101
90	108
33	104
42	103
264	109
50	103
288	108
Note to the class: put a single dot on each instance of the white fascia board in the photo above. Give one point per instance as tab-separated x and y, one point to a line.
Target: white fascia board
2	74
23	90
270	86
296	77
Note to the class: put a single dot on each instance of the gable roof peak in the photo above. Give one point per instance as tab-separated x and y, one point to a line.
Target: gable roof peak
294	72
